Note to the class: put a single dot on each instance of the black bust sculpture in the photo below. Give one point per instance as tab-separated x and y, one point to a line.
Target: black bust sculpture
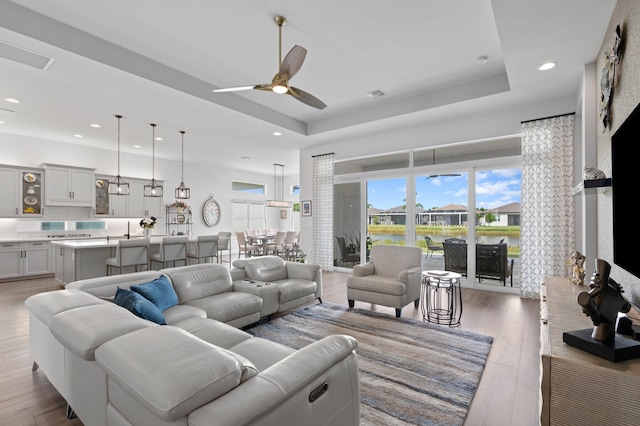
603	301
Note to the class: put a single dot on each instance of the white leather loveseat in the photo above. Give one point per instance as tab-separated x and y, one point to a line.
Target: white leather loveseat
115	368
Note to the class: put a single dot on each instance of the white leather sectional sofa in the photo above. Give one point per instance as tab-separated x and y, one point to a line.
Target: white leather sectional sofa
115	368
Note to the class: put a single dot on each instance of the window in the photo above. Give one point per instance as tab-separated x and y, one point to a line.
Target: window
253	188
247	215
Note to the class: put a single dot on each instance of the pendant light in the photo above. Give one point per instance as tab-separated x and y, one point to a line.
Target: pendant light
278	202
118	186
182	192
153	189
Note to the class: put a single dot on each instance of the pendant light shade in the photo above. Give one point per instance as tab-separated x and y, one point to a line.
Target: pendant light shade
278	202
182	192
118	186
153	189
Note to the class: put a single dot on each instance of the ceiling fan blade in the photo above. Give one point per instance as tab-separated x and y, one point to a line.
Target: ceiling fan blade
263	86
233	89
293	61
306	98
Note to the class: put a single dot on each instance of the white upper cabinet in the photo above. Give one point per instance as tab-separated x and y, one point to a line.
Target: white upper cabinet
69	186
21	192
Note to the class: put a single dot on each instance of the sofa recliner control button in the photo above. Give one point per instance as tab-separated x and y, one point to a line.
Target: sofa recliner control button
318	392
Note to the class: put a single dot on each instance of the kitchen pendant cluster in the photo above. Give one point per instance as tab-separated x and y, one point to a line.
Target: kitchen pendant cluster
118	186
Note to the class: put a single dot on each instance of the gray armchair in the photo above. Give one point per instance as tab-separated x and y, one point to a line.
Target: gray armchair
391	278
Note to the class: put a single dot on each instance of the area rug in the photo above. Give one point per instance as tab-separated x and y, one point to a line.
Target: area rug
411	372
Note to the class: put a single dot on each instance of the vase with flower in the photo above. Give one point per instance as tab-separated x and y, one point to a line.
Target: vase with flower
147	224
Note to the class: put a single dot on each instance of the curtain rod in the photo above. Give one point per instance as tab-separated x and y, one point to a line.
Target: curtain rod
320	155
546	118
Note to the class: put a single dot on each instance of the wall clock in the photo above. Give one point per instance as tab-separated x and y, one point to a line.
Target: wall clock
211	212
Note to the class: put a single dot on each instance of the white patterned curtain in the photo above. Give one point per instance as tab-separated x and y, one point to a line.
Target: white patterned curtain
547	218
322	251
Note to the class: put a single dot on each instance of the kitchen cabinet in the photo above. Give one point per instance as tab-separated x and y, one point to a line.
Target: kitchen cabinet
141	206
25	259
21	192
69	186
134	205
107	204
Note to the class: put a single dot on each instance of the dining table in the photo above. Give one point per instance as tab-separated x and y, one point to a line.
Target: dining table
263	240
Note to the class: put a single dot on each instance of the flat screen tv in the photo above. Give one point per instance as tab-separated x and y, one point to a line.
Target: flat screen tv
625	173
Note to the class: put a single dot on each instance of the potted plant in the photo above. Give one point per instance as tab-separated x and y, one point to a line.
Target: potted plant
180	206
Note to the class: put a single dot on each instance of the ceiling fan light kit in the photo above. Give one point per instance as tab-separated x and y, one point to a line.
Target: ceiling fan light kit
287	68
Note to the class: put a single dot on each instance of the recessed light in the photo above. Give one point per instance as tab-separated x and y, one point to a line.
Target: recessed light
546	66
12	100
277	134
482	60
77	136
1	122
158	139
137	146
97	126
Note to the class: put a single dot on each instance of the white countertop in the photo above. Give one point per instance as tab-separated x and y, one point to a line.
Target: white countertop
96	243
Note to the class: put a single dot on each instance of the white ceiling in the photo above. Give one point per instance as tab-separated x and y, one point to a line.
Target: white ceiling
158	61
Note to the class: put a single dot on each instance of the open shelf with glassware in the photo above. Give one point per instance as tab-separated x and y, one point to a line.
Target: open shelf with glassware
179	220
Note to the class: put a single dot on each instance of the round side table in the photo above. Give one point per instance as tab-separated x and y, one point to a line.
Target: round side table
441	297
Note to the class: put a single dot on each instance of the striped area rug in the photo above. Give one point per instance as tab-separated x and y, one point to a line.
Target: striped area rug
411	372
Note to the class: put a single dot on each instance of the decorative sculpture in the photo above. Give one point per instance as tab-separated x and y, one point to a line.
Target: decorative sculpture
576	262
591	172
603	302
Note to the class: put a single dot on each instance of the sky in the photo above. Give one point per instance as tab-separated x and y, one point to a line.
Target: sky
494	188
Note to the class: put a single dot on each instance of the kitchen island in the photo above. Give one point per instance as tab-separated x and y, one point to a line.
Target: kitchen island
81	259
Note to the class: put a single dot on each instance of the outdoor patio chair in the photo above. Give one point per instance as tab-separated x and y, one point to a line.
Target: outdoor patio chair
431	246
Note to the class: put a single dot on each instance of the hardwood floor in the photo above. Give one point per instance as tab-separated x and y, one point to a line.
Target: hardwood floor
507	395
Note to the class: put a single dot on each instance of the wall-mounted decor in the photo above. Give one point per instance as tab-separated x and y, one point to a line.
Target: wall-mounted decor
283	214
306	208
607	81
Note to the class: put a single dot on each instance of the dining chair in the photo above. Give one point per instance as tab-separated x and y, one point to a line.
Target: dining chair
172	249
246	248
277	247
133	252
224	244
205	247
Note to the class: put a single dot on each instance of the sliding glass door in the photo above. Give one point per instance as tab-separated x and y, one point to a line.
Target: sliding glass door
347	223
442	220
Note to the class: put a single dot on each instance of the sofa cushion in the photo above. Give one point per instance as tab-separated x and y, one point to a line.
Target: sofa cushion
202	372
178	313
266	268
228	306
194	282
295	289
215	332
139	305
159	291
83	329
49	303
377	284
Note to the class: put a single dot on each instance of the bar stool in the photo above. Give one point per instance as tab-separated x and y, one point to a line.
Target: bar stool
206	247
224	244
129	253
172	249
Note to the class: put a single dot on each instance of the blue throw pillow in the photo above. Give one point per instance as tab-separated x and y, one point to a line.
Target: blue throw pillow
140	306
160	291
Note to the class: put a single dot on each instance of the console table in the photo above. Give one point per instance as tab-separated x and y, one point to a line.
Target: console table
579	388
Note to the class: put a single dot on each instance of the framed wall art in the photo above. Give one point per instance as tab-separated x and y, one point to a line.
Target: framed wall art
306	208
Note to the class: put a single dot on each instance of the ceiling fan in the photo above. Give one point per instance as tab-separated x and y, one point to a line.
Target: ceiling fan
433	163
287	69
